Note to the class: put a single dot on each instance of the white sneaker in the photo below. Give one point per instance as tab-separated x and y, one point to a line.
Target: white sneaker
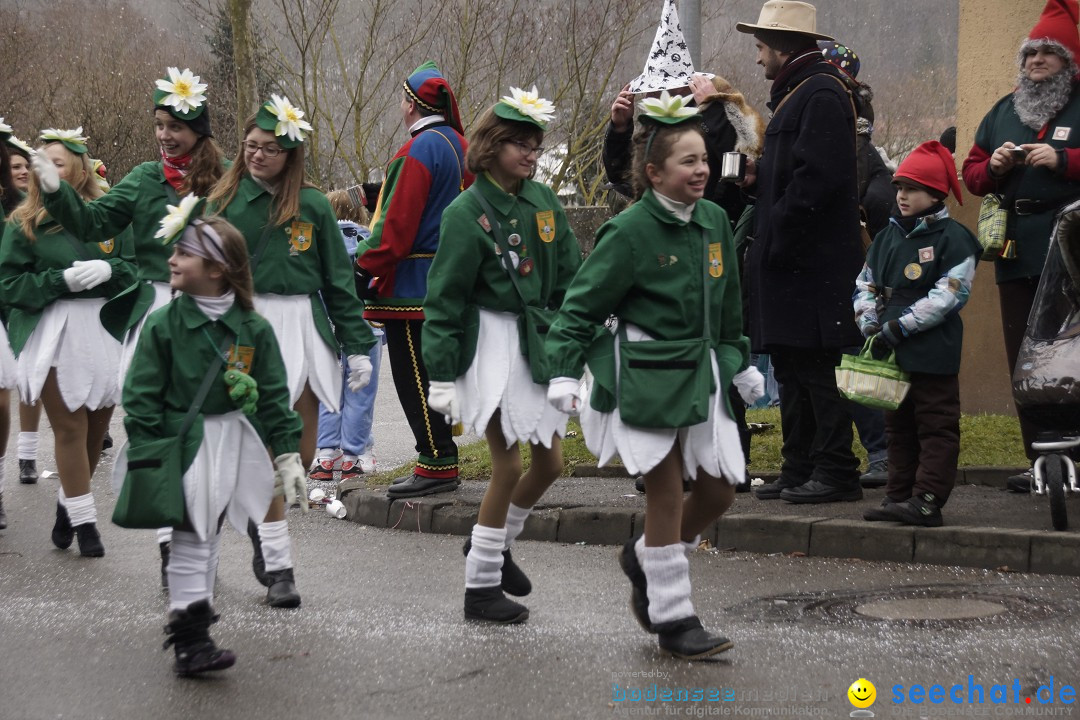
367	463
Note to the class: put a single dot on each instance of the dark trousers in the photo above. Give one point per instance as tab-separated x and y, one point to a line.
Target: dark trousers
815	418
1016	298
738	414
870	424
434	436
924	439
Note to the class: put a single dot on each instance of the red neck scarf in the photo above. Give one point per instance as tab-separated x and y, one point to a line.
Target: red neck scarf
175	168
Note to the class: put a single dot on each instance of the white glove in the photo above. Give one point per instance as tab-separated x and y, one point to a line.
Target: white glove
47	174
564	394
292	479
751	385
71	279
442	398
359	372
91	273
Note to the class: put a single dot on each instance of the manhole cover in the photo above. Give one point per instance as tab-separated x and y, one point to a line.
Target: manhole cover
930	609
922	606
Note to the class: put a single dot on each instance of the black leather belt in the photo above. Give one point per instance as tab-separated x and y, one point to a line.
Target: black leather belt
1034	207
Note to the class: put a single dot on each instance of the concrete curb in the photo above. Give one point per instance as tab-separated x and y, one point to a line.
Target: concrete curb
982	547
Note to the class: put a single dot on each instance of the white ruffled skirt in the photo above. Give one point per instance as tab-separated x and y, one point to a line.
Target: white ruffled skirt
499	379
232	471
9	369
308	359
69	337
162	296
712	446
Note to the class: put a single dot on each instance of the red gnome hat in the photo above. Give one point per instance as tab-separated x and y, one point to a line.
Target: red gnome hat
931	165
1058	22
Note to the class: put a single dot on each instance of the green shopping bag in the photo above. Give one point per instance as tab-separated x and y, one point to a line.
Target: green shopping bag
874	383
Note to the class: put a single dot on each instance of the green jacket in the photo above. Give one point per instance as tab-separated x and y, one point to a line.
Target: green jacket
33	273
467	274
312	263
648	269
172	356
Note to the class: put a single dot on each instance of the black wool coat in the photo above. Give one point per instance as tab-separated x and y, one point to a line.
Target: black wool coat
807	251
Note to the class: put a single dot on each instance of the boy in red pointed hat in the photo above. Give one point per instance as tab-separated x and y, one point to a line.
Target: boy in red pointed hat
916	278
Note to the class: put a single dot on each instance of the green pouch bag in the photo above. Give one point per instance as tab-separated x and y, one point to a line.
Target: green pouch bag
153	491
533	326
874	383
993	221
678	370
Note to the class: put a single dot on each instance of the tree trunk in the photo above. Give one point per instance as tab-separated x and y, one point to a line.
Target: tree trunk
244	61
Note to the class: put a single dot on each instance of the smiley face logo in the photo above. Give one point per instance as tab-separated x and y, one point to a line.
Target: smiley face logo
862	693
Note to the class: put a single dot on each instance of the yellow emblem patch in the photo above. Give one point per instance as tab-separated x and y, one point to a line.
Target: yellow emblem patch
107	246
913	271
716	260
300	236
545	225
240	358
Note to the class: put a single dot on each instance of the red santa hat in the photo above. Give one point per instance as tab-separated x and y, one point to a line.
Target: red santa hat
931	166
1058	24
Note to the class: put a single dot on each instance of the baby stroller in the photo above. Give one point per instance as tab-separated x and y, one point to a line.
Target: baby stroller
1048	366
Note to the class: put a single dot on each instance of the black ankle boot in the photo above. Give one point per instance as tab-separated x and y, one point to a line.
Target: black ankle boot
488	604
686	639
164	548
189	634
514	580
639	593
89	540
62	533
281	592
258	564
3	515
28	474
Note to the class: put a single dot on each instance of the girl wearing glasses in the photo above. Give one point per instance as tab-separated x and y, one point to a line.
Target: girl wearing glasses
190	164
512	247
303	287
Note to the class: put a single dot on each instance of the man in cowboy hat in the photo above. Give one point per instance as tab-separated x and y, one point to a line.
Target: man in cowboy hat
425	176
806	247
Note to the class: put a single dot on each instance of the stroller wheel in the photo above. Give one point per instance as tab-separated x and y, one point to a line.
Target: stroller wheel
1054	471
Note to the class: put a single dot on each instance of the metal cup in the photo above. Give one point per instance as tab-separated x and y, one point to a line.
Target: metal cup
335	508
733	167
317	495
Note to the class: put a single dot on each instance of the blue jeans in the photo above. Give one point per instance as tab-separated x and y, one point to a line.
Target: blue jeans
351	428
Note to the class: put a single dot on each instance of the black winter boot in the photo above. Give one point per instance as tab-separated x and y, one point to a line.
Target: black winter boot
639	593
62	533
488	604
258	564
164	548
514	580
3	515
189	634
686	639
28	474
282	589
89	540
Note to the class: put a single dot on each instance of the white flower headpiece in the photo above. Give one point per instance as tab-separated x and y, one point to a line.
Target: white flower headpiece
184	90
530	104
667	108
5	128
177	218
290	119
73	140
19	144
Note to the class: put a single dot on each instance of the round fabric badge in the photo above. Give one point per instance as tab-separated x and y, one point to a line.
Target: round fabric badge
913	271
526	266
514	239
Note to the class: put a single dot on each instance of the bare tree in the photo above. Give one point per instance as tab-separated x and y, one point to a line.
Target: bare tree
243	41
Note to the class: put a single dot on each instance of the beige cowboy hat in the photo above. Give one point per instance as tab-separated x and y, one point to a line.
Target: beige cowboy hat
786	15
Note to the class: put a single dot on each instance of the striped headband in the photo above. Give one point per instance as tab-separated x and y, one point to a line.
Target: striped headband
201	239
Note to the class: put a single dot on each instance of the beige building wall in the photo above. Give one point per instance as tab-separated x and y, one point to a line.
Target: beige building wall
990	34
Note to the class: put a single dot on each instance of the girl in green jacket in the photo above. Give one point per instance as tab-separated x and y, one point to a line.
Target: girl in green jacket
56	286
666	269
303	287
511	246
227	471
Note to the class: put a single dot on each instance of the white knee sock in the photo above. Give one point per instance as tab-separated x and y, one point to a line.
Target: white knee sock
212	564
81	509
276	547
2	459
164	535
691	546
28	442
483	566
189	558
61	497
515	523
668	573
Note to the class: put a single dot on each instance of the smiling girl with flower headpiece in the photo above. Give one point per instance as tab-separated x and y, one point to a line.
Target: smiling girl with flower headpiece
303	286
56	286
511	258
666	269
